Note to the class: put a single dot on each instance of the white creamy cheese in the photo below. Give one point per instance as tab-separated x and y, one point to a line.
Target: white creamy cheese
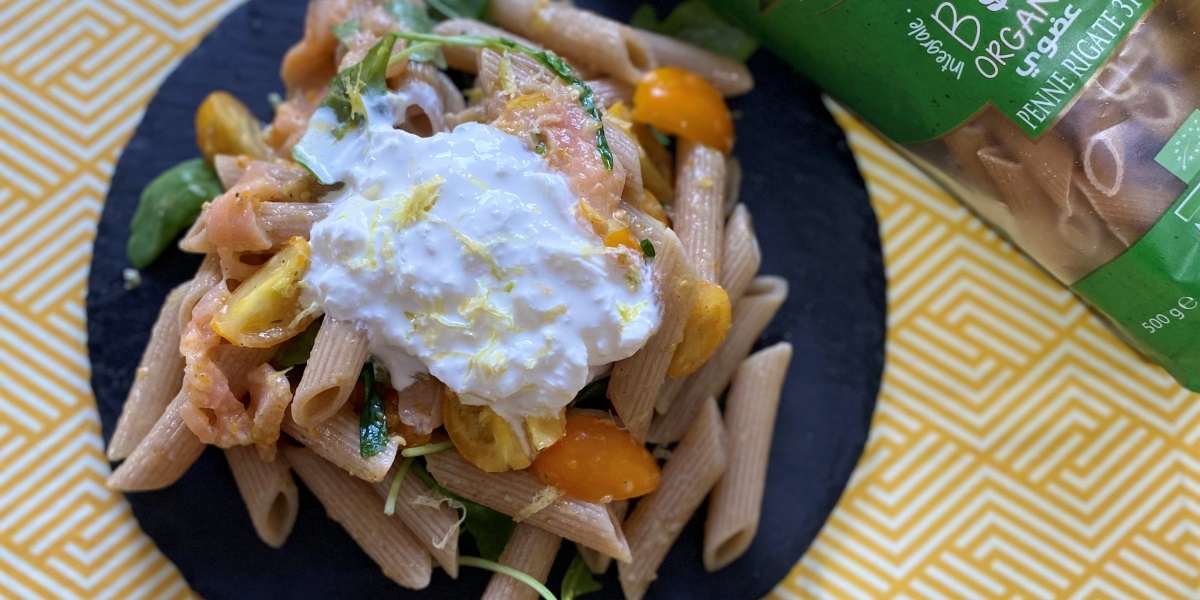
463	255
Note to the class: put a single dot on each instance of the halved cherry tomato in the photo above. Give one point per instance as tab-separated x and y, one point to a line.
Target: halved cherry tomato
265	310
597	461
679	102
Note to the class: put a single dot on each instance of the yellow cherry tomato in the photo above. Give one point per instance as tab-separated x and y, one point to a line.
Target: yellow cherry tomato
706	327
489	442
597	461
679	102
225	126
265	309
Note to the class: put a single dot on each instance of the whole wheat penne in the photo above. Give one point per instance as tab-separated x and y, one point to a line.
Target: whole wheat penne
279	220
512	492
1049	161
435	523
608	91
530	550
334	364
596	562
465	58
336	439
447	93
626	153
358	509
582	37
733	185
740	254
170	447
750	316
155	382
694	467
699	217
635	383
499	72
736	502
230	168
729	76
207	275
268	491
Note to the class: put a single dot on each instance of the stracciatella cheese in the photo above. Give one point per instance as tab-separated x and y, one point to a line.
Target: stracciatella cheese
462	255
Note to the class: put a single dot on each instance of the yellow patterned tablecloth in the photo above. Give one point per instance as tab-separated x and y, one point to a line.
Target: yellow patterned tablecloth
1018	451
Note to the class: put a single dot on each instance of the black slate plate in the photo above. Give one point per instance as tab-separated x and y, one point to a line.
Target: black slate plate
816	228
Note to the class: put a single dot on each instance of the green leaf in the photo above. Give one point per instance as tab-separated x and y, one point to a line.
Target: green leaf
412	17
647	248
578	580
596	390
519	575
367	77
491	529
696	22
168	206
296	350
372	421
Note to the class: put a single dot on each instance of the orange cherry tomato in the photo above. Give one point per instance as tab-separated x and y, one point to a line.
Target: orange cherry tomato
679	102
597	461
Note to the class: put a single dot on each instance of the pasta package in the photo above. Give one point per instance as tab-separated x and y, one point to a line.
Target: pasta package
1072	126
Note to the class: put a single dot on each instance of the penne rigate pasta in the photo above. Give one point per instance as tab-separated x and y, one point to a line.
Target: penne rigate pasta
432	521
157	379
635	383
750	316
729	76
596	562
280	221
268	491
170	447
699	213
608	91
530	550
694	467
582	37
336	439
333	367
207	276
513	492
358	509
750	409
740	254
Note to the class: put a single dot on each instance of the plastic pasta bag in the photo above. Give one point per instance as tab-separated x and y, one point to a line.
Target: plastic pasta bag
1072	126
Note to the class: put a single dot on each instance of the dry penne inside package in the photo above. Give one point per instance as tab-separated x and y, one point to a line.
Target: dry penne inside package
1072	126
487	278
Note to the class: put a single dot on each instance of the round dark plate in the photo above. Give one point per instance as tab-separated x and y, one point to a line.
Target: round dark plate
816	229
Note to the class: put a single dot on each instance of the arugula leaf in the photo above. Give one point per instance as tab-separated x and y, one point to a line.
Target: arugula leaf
490	529
550	60
696	22
647	248
366	77
168	205
297	349
578	580
372	421
412	17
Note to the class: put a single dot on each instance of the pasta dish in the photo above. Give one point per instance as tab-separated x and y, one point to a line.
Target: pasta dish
486	276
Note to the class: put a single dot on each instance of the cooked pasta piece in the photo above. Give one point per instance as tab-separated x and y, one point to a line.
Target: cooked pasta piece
729	76
269	493
514	492
433	521
280	221
170	447
750	409
733	185
596	562
635	383
207	275
608	91
694	467
334	364
530	550
740	254
699	217
358	509
582	37
751	315
465	58
336	439
230	168
155	382
626	153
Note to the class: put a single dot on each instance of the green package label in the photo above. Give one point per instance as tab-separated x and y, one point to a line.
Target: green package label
1152	291
917	69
